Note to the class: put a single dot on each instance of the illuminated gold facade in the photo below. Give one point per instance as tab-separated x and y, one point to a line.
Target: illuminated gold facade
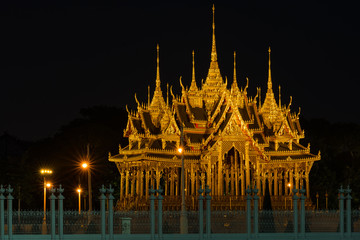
231	140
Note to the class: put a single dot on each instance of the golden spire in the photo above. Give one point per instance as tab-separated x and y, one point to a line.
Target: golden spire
167	94
270	110
157	68
280	97
259	97
235	81
193	66
213	48
269	77
234	87
193	86
158	104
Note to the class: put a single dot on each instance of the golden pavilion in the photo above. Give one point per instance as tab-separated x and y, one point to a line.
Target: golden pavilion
231	141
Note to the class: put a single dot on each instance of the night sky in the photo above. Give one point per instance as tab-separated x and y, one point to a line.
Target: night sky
57	57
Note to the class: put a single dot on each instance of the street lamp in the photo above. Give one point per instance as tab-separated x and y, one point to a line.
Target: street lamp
79	191
85	165
183	214
45	172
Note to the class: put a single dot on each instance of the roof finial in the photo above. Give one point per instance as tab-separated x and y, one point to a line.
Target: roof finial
193	87
269	78
213	49
280	97
259	97
235	82
167	94
157	68
193	66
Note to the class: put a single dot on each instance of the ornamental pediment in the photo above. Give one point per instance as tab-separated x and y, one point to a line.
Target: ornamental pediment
232	129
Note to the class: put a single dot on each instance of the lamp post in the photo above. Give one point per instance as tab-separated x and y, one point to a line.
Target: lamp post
183	214
79	192
326	200
85	165
317	201
45	172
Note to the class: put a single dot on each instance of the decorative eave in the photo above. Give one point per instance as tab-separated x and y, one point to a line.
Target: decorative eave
217	110
297	160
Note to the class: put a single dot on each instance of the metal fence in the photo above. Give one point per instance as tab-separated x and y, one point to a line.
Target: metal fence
31	222
297	223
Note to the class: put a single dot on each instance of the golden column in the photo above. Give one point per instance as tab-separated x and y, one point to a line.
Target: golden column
141	182
220	171
281	183
152	178
172	172
138	181
307	185
236	173
263	183
287	181
242	172
208	175
291	181
227	180
122	183
276	185
127	183
166	187
232	168
258	175
193	184
247	164
158	175
132	180
213	179
147	184
297	179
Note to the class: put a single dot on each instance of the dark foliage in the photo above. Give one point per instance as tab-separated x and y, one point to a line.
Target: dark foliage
101	128
339	144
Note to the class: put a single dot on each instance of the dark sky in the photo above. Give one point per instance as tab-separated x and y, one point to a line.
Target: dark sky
57	57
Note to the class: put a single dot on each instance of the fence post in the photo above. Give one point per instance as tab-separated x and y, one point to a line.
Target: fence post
152	213
61	198
295	204
208	211
348	212
256	211
248	211
160	199
201	214
9	190
110	191
102	210
2	213
52	209
341	199
302	214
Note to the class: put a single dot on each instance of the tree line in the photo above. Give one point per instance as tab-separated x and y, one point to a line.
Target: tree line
100	129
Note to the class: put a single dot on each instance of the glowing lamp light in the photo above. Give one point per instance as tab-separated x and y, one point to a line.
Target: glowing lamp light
48	184
46	171
78	190
180	150
289	185
84	165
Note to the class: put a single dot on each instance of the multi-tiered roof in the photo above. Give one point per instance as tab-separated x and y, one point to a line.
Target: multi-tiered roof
210	113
